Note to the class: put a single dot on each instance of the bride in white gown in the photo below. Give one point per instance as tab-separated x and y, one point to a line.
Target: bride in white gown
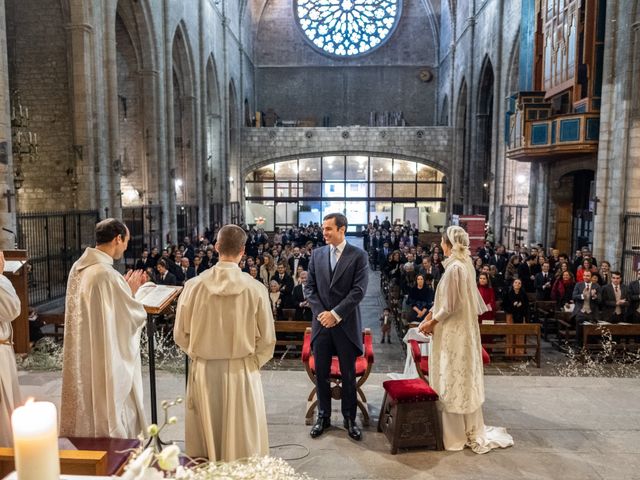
455	364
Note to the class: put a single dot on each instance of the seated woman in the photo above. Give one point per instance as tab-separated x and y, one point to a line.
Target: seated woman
420	299
275	298
516	306
562	290
488	297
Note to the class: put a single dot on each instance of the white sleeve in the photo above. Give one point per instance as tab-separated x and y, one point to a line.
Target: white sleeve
452	293
9	301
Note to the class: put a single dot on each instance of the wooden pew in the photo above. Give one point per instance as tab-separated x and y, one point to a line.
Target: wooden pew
508	331
291	326
616	330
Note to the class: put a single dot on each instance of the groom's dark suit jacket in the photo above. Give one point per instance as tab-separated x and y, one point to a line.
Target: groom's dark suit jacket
341	292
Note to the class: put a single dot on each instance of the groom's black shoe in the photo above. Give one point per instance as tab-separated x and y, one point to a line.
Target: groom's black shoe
319	426
352	429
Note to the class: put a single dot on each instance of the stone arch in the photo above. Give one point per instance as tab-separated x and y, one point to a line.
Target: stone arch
372	153
462	147
444	112
481	163
234	180
186	177
213	132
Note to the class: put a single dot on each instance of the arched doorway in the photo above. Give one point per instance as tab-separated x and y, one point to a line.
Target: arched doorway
302	190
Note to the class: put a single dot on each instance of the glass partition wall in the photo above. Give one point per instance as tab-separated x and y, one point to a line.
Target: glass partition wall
304	190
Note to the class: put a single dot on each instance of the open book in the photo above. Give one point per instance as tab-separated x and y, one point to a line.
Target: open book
155	296
12	266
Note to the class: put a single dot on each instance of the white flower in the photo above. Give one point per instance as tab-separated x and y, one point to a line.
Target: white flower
136	468
169	458
152	430
151	474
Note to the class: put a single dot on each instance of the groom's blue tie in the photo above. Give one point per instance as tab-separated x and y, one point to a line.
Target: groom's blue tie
333	258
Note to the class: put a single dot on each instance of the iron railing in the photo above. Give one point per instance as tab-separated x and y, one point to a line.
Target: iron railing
53	240
144	224
515	219
187	218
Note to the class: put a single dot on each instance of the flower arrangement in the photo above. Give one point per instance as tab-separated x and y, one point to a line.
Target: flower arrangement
155	460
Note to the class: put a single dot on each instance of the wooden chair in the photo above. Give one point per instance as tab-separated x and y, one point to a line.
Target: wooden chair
422	362
364	364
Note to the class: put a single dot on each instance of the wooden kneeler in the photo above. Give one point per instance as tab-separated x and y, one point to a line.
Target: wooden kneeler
409	415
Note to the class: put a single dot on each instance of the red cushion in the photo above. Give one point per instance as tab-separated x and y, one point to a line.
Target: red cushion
361	366
415	350
406	391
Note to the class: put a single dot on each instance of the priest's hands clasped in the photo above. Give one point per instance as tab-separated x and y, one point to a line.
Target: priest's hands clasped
135	278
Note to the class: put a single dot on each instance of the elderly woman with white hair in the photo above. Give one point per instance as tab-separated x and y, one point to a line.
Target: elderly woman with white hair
455	363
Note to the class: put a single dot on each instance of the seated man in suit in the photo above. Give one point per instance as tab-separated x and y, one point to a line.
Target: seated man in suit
303	310
296	260
165	277
544	282
586	298
614	300
286	284
185	272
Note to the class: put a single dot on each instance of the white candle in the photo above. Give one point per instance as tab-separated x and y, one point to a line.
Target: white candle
35	441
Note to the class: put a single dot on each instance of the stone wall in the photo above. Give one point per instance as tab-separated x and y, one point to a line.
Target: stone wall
38	69
431	145
7	202
346	90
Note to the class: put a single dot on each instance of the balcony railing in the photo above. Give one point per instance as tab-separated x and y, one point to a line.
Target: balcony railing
533	133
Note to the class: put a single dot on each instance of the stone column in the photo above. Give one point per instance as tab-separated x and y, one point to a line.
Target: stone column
7	191
80	38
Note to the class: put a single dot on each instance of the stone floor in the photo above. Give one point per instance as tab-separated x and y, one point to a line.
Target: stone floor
564	428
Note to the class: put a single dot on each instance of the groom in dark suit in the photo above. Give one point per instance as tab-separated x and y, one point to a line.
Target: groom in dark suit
336	283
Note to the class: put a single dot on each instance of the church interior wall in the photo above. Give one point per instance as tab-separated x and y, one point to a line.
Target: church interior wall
38	70
346	90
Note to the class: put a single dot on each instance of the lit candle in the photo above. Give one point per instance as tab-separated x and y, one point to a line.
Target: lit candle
26	113
35	441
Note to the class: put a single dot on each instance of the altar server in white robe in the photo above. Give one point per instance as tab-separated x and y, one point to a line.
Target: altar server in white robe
455	364
225	324
9	388
101	373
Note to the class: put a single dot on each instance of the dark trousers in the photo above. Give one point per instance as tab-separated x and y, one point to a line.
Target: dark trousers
330	342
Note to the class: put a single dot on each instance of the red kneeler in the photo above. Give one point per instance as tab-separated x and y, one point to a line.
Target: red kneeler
409	415
364	364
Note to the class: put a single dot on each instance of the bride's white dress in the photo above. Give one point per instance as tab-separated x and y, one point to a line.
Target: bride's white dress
455	362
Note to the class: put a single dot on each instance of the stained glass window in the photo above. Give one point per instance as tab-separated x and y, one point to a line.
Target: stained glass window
347	28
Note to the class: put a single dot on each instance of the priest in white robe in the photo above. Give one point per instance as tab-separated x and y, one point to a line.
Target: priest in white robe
102	371
455	365
9	388
225	324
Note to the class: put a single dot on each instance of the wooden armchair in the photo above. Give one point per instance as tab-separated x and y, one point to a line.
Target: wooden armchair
364	364
422	362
